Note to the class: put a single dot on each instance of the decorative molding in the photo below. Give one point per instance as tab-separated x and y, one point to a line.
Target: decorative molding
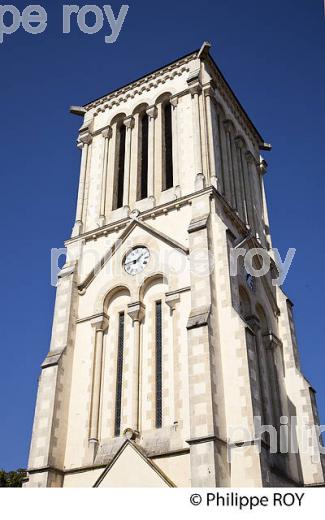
100	322
239	142
174	101
253	322
145	84
194	77
208	438
136	311
172	299
129	122
52	359
152	112
272	340
107	132
89	318
178	291
250	158
229	125
118	243
144	457
198	318
195	89
198	224
85	138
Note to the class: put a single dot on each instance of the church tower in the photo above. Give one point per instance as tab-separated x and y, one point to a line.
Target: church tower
161	357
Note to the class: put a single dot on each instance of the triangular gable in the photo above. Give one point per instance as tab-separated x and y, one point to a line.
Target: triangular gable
130	467
118	243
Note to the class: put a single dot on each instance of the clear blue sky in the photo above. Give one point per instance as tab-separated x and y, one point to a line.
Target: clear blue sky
271	52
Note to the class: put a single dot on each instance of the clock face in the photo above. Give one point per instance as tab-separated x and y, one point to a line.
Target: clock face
136	260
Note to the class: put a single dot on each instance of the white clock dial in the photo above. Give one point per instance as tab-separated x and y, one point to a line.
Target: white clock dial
136	260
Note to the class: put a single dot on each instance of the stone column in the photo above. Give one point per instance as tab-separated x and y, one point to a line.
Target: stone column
243	198
230	163
152	114
172	300
212	146
129	123
195	91
136	311
100	324
107	134
174	104
84	142
273	359
252	195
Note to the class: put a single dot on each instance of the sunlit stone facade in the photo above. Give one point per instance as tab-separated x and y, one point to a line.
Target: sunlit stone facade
159	359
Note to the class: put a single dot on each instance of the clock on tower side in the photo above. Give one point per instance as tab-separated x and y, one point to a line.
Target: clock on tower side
159	358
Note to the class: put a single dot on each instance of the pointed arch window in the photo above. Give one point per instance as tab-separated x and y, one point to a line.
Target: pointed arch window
168	174
119	174
144	132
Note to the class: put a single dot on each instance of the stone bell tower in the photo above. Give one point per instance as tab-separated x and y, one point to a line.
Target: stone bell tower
160	357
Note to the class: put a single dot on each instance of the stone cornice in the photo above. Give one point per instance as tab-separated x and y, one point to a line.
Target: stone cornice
142	85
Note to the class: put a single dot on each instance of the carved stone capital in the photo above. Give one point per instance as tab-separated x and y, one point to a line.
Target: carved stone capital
195	89
107	132
172	300
208	91
174	101
83	139
100	323
253	322
250	158
152	112
239	142
228	125
271	341
129	122
136	311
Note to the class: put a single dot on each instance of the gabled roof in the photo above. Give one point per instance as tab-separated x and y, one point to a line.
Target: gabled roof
144	459
120	240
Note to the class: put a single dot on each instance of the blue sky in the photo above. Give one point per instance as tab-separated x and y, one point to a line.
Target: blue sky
272	54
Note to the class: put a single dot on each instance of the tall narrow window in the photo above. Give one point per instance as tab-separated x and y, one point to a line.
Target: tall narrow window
219	144
120	166
158	365
244	184
119	373
143	188
168	180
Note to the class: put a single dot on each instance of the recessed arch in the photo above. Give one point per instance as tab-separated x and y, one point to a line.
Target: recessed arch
163	98
245	305
113	294
142	107
150	281
118	118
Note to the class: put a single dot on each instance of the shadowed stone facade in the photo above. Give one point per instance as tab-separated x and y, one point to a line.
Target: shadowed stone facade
155	378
